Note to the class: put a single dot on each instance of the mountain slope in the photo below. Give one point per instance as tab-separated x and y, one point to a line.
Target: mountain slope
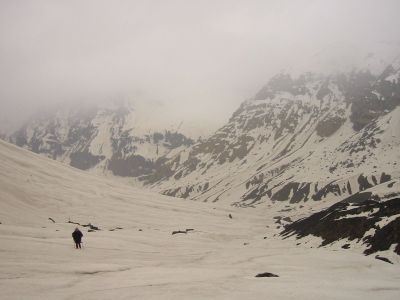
308	138
106	138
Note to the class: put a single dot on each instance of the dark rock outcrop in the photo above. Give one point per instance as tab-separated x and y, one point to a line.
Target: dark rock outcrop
266	274
383	259
182	231
351	219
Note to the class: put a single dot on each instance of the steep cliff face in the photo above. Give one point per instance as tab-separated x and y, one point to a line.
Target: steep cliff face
100	138
312	137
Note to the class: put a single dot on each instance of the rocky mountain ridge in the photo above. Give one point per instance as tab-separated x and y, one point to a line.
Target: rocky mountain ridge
99	138
312	137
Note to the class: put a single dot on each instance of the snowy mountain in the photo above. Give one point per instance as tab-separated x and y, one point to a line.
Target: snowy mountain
113	137
309	137
312	137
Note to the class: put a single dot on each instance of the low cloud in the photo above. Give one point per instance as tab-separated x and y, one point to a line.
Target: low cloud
194	56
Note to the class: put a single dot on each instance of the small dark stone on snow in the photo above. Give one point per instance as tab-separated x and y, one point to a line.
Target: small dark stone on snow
116	228
91	230
178	231
76	223
51	219
91	226
266	274
182	231
383	259
265	237
140	230
230	216
346	246
287	219
245	244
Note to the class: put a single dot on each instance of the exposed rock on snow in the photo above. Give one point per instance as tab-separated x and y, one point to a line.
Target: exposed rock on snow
355	219
383	259
91	227
266	274
182	231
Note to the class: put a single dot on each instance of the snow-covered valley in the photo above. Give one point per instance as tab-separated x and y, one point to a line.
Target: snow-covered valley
134	255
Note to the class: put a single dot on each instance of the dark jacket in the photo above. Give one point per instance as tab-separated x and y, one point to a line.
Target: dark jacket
77	236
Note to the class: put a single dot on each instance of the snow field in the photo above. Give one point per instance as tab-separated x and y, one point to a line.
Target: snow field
143	260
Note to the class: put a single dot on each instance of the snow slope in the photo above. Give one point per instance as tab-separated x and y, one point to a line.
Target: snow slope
143	260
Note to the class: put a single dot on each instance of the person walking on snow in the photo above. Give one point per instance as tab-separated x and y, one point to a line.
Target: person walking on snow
77	236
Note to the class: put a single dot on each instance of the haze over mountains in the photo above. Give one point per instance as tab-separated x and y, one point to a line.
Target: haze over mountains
207	150
183	54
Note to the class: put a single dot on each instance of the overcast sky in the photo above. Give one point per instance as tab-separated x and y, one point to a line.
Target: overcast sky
200	58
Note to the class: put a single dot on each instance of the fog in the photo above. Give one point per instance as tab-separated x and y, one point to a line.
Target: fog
200	59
